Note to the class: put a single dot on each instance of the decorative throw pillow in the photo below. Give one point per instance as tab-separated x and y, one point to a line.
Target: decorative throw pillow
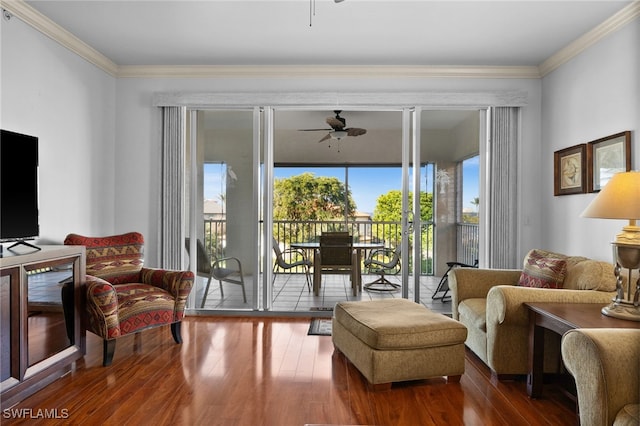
542	272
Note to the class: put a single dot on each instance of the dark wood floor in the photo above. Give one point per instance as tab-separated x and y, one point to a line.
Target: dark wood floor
268	371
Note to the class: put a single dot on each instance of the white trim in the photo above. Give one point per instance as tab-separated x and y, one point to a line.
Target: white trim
611	25
326	71
334	99
38	21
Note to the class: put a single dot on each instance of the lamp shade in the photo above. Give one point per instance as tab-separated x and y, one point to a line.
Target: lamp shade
619	199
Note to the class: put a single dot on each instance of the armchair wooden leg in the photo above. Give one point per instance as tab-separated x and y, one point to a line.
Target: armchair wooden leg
176	331
108	349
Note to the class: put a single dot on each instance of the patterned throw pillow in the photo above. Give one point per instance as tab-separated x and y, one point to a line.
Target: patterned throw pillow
542	272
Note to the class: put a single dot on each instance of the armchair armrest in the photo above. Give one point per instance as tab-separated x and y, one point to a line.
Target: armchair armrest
102	307
178	283
222	262
473	283
508	324
505	304
295	251
604	363
385	251
224	267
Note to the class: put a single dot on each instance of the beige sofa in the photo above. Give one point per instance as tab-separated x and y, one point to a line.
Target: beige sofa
606	366
491	304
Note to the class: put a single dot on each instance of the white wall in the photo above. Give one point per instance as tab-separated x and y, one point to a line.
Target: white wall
596	94
69	104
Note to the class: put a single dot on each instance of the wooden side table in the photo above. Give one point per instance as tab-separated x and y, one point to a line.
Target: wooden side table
560	318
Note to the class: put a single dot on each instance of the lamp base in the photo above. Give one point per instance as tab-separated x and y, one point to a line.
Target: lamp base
622	309
630	235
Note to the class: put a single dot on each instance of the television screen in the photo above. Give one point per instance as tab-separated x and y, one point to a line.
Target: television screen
18	187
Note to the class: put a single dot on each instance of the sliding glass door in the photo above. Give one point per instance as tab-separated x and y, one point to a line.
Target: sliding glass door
264	183
221	234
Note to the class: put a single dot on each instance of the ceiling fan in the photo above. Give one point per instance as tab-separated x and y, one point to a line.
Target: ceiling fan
338	129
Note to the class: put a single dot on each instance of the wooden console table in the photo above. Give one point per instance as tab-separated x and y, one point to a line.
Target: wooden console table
41	333
560	318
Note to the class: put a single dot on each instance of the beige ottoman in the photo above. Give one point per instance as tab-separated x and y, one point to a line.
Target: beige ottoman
394	340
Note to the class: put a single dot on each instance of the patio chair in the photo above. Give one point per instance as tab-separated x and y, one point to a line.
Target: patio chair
227	269
383	262
281	263
443	285
336	256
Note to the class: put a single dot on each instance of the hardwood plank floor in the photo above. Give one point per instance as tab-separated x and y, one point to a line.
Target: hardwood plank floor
268	371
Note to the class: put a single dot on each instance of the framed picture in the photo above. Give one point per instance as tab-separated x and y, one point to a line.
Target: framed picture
570	172
607	156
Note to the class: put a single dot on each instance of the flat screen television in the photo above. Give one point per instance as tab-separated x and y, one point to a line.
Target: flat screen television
19	219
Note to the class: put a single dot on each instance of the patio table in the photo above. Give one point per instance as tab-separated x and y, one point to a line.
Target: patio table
358	246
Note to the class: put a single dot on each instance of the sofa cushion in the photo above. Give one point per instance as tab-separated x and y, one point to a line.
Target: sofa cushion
141	306
541	271
473	313
590	275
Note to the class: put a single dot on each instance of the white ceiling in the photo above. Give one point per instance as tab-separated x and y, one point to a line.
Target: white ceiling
427	33
354	32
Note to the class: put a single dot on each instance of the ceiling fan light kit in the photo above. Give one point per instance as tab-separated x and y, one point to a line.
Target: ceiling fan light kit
338	134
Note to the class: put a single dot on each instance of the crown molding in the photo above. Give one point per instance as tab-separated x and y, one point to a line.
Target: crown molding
611	25
325	71
46	26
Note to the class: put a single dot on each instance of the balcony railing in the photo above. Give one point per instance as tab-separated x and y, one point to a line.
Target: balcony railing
468	242
287	231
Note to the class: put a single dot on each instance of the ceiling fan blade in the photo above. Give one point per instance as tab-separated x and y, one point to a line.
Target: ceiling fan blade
314	130
335	123
355	131
328	136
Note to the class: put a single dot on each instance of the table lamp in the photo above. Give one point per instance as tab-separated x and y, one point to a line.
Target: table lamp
620	199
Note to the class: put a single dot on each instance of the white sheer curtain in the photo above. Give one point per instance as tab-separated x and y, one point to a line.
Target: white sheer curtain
502	232
172	187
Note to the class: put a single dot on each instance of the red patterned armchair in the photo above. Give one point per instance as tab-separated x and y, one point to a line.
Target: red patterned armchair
123	297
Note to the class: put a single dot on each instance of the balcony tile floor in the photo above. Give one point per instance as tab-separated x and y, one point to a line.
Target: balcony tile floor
292	296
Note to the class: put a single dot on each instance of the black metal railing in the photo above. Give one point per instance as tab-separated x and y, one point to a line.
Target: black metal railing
288	231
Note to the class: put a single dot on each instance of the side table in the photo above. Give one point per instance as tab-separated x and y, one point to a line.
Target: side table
560	318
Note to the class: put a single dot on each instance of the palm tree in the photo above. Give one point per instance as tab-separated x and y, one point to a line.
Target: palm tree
476	202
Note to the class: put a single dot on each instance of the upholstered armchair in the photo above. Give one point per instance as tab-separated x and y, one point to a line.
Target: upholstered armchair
124	297
606	366
491	303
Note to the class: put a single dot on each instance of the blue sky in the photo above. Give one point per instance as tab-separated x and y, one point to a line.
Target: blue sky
366	183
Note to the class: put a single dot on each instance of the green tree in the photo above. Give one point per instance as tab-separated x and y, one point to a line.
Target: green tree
307	197
389	206
389	209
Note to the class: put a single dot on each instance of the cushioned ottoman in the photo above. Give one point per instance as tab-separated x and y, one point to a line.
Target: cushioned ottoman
394	340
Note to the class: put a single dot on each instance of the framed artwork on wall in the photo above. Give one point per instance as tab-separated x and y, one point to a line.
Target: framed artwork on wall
569	170
607	156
